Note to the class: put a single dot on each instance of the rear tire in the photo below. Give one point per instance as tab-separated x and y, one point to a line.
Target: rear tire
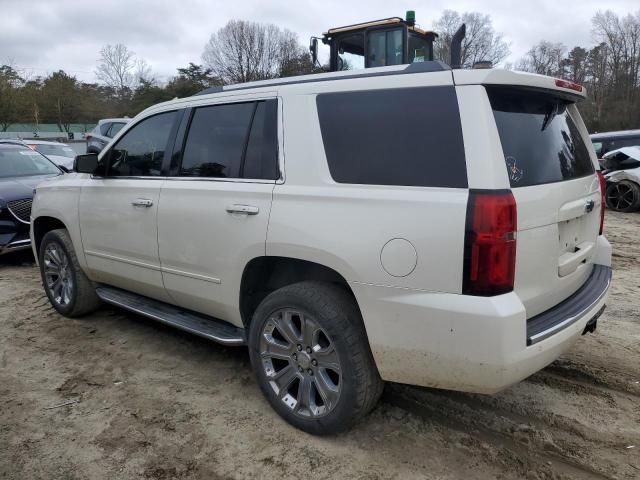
623	196
311	356
69	290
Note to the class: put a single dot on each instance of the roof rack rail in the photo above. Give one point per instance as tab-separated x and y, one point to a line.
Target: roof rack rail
418	67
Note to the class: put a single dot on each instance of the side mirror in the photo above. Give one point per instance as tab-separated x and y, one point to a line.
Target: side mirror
85	163
313	48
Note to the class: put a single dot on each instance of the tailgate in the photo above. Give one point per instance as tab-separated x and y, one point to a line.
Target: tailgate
553	179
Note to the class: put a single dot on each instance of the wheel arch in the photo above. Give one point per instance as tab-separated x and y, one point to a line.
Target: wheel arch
263	275
41	226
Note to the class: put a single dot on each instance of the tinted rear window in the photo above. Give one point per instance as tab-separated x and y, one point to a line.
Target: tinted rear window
408	136
540	140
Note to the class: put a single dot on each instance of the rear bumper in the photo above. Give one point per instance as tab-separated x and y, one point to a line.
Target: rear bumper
571	310
458	342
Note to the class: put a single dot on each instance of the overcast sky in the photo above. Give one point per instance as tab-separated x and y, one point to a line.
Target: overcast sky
41	36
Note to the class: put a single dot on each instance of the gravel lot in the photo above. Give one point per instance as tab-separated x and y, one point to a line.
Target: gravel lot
145	401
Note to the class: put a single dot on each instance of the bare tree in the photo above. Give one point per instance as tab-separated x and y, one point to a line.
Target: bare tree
119	68
481	42
545	58
243	51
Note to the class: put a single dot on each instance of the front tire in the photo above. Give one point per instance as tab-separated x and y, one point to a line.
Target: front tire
311	356
69	290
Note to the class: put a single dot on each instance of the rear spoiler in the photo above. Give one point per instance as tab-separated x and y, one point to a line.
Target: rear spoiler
508	78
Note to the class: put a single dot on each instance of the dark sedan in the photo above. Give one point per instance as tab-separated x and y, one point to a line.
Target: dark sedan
21	169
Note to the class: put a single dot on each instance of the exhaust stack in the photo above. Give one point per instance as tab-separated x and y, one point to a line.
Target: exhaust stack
456	47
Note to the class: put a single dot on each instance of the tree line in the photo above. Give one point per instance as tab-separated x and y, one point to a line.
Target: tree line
610	70
244	51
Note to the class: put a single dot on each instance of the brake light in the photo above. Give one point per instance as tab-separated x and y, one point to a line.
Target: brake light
570	85
490	243
603	198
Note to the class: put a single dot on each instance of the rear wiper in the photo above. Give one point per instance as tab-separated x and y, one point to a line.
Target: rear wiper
550	115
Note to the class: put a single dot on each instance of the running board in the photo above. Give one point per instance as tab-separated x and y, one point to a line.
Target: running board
192	322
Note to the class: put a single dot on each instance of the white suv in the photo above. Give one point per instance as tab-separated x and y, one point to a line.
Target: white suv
414	224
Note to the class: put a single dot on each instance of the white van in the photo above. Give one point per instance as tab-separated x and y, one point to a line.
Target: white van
414	224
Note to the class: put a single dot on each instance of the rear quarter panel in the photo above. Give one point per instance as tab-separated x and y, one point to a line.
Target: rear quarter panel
346	226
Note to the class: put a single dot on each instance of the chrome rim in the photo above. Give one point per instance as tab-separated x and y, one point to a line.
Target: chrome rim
57	274
620	196
301	363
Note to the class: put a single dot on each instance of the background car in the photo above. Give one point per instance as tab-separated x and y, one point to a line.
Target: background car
621	170
59	153
21	169
606	142
104	131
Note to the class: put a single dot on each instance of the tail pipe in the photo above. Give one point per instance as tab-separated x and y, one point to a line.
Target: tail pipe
456	47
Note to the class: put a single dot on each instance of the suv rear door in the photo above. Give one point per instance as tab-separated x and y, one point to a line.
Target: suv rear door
215	206
552	173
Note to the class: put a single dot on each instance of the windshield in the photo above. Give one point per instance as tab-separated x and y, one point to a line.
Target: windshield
60	150
23	162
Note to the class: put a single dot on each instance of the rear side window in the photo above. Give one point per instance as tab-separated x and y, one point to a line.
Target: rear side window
409	136
115	128
104	128
540	140
232	141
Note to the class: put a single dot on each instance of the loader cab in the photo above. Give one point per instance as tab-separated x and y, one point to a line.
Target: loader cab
390	41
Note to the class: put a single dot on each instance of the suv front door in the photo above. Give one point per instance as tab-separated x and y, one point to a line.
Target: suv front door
118	210
215	205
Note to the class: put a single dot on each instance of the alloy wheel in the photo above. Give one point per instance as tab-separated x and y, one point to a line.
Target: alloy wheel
57	275
300	363
620	196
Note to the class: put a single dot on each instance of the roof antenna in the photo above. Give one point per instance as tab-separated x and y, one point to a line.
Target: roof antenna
456	46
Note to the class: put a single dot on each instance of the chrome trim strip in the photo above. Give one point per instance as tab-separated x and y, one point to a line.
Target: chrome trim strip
126	306
14	246
157	268
122	260
197	276
542	335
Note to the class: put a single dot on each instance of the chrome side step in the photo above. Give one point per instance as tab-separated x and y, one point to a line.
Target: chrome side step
192	322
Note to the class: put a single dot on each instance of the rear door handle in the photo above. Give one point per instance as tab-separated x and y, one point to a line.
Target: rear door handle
245	209
142	202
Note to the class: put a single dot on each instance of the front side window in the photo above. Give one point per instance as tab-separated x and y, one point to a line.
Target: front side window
237	140
351	52
405	136
140	152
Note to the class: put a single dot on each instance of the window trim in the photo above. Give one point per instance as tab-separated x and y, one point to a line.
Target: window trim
183	133
130	126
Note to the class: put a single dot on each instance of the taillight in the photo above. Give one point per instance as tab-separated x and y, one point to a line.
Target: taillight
603	198
490	243
87	138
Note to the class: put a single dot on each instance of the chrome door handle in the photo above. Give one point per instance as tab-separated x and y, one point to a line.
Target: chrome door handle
142	202
245	209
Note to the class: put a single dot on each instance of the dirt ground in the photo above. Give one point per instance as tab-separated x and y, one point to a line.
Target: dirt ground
150	402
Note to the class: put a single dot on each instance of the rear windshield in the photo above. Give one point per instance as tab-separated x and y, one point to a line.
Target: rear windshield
540	141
